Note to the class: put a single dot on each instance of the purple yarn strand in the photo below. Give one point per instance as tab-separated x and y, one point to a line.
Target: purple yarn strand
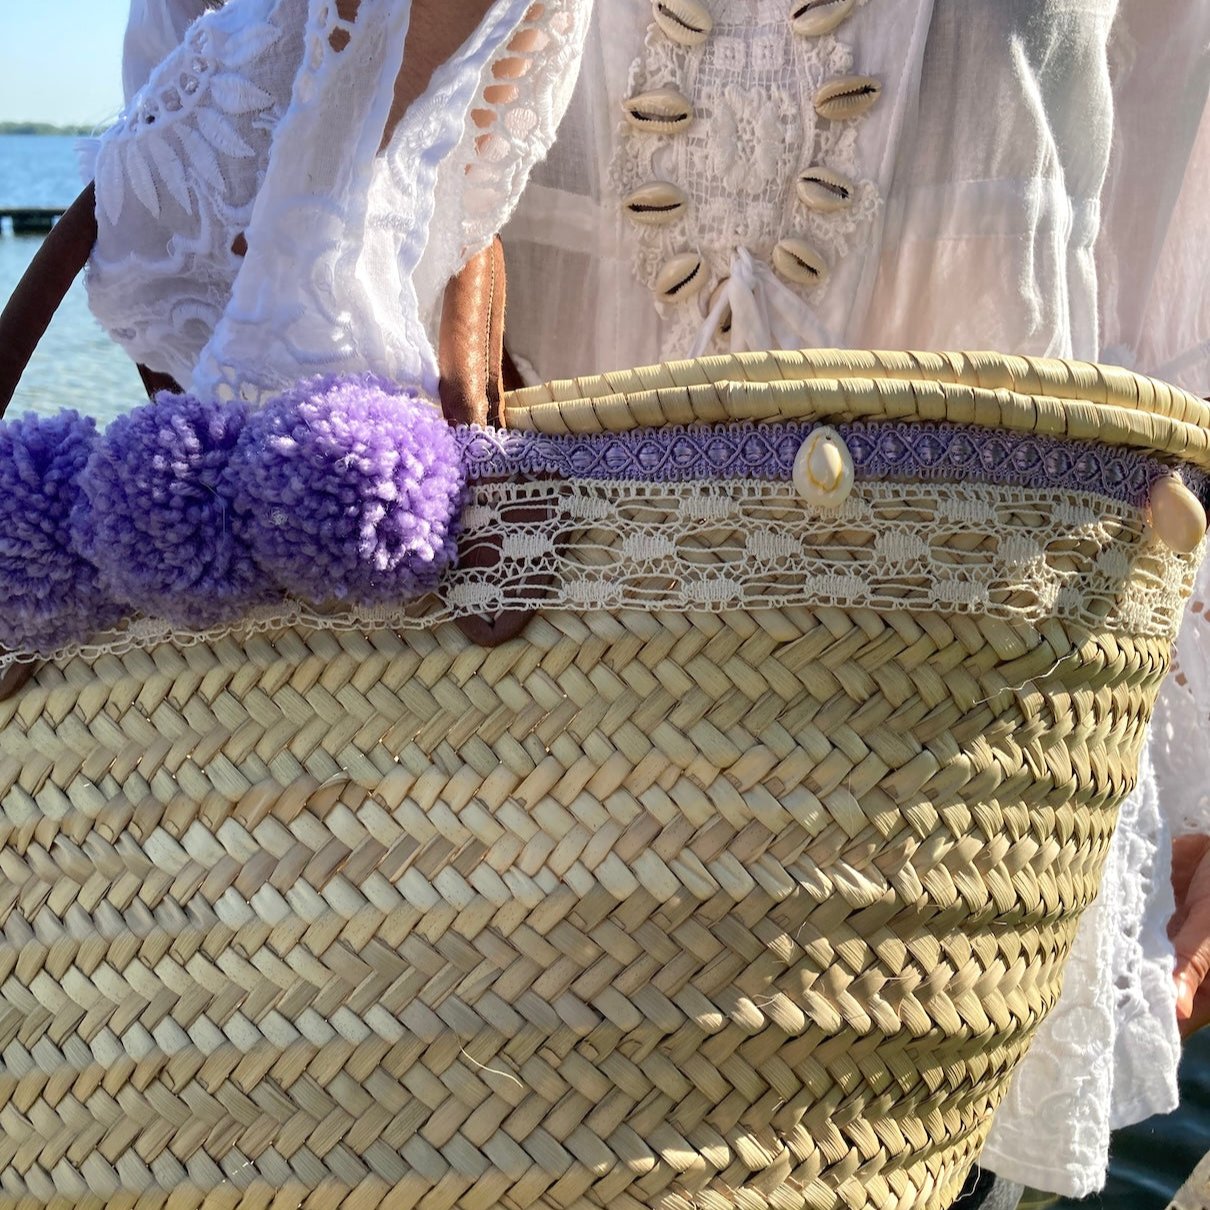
49	594
157	522
349	489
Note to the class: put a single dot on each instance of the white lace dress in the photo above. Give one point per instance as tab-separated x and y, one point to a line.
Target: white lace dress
1029	179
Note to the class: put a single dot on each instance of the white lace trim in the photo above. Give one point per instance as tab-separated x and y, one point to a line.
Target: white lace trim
299	304
1021	555
755	129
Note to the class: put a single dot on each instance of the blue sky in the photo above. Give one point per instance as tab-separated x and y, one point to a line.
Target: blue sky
61	60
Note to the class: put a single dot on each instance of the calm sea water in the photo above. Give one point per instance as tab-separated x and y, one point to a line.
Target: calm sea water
78	367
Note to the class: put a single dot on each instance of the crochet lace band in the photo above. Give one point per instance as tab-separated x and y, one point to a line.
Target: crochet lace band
941	518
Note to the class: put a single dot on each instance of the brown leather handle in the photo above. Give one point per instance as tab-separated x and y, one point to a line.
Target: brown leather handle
470	351
475	372
42	287
41	291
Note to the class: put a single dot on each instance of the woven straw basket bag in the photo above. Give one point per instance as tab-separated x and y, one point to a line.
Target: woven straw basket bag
741	879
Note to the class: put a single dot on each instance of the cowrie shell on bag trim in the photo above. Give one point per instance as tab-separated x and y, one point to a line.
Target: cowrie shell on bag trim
656	203
1177	515
811	18
682	277
662	111
685	21
797	261
847	97
824	190
823	469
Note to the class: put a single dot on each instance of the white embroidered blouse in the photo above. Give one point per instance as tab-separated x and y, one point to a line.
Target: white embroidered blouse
1027	175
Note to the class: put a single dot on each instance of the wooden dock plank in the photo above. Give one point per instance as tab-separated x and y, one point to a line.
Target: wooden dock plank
31	220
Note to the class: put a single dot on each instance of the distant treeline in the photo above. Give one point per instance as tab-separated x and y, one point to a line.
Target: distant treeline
44	128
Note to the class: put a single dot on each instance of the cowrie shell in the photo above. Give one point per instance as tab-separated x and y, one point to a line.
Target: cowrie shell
682	277
662	111
823	469
824	190
1177	515
797	261
811	18
685	21
656	203
847	97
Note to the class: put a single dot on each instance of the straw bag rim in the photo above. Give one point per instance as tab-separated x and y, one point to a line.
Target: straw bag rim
1056	398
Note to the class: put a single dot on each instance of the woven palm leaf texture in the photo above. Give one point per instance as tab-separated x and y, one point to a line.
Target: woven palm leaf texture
741	880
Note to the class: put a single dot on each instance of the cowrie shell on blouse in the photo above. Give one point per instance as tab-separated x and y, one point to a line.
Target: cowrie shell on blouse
663	111
724	319
682	277
685	21
824	190
847	97
797	261
811	18
1177	515
823	469
656	202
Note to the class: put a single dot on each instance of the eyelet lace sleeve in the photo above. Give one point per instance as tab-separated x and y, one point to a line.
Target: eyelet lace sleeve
178	175
330	280
154	29
250	233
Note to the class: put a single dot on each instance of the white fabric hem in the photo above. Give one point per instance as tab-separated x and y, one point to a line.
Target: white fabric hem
1070	1180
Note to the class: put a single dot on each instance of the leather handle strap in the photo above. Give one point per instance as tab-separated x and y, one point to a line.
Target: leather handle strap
475	372
43	286
470	353
41	291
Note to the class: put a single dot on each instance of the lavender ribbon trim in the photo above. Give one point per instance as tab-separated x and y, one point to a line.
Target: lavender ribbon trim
880	451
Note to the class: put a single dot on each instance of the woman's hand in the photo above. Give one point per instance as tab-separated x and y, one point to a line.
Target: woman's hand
1190	931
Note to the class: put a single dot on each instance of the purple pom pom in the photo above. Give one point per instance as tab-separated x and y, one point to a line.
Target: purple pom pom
158	524
350	489
48	594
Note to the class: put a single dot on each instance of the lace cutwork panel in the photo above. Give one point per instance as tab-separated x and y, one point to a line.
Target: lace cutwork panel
301	304
982	550
336	284
178	175
263	129
522	96
751	83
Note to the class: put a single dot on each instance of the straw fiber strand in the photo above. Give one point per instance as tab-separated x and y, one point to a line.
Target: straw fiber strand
689	912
